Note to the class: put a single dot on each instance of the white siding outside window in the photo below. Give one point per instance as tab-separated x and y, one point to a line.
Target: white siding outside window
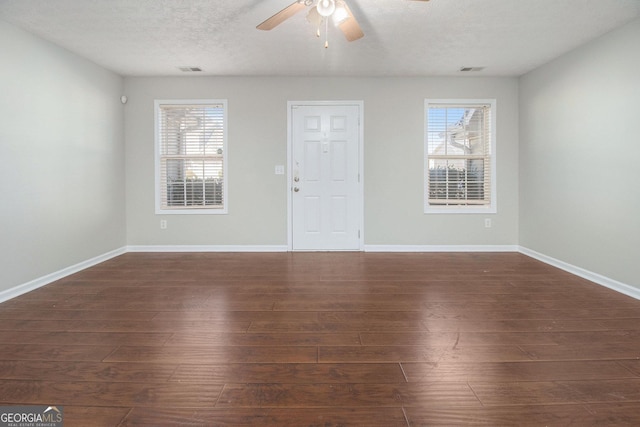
191	156
460	156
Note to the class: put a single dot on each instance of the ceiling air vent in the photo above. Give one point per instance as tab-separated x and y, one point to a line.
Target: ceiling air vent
465	69
190	69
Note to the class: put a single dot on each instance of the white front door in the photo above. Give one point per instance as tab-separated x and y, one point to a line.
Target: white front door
325	177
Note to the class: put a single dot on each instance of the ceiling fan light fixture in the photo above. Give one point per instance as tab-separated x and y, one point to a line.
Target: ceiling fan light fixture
340	14
326	7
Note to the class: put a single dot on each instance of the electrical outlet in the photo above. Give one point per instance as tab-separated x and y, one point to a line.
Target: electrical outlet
487	223
163	224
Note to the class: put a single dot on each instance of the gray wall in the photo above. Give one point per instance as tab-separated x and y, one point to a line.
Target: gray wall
393	159
61	157
579	157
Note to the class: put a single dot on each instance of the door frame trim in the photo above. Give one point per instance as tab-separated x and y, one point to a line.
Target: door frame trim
289	187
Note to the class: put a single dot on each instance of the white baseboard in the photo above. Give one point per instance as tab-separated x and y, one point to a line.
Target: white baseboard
578	271
441	248
607	282
49	278
208	248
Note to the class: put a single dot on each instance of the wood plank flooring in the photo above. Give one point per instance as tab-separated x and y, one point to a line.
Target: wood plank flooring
324	339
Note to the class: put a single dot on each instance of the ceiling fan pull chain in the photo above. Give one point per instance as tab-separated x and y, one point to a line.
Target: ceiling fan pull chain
326	32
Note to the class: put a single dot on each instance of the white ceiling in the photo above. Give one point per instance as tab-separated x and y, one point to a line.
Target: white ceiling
402	38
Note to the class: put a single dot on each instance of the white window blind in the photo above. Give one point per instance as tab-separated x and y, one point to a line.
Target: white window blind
191	156
459	166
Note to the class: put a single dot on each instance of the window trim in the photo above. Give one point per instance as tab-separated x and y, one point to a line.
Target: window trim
491	208
159	210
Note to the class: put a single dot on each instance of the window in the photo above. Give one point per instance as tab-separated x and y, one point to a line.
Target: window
459	156
191	156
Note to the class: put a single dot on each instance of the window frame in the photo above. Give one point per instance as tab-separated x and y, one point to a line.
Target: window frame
490	208
159	209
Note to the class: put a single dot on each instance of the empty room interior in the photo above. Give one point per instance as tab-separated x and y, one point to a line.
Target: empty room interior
320	213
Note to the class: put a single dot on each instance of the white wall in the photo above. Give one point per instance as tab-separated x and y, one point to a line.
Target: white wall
61	159
393	153
580	157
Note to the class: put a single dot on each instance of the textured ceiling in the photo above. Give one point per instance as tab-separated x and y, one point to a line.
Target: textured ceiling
402	38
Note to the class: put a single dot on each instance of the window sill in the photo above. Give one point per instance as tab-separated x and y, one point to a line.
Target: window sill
457	210
191	212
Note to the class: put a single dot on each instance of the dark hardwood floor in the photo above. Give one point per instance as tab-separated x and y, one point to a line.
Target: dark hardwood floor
324	339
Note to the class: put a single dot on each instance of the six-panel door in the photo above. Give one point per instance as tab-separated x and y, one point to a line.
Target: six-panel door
325	174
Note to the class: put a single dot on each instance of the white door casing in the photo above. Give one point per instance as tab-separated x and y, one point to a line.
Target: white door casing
325	177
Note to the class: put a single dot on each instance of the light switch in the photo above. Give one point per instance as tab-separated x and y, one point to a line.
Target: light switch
279	170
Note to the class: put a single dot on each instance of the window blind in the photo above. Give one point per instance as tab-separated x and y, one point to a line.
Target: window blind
191	156
459	150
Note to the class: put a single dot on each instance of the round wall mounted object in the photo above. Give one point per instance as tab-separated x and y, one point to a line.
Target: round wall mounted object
123	99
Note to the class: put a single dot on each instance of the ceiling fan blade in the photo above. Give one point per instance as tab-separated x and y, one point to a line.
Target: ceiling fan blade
349	26
281	16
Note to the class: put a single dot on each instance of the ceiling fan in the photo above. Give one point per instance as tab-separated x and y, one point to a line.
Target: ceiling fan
319	12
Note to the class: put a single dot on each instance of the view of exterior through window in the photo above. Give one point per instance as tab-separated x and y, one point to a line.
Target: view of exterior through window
459	163
191	152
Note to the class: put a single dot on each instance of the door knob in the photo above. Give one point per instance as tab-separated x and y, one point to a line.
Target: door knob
296	189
